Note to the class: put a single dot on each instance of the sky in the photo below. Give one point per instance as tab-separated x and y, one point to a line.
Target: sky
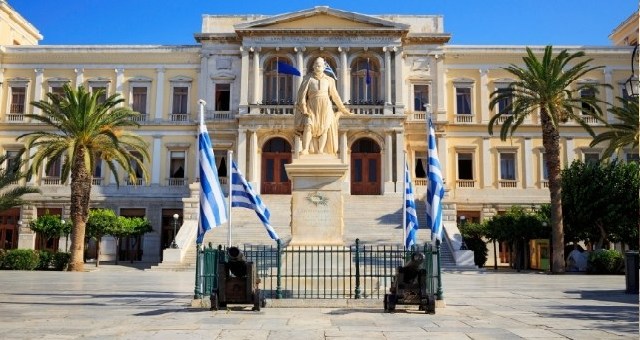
470	22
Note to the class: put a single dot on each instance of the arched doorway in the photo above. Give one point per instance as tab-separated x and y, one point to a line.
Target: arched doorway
365	167
275	154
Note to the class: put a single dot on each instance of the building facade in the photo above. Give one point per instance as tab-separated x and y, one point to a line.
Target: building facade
393	72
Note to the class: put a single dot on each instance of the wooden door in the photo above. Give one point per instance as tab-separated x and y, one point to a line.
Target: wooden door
9	229
365	168
275	154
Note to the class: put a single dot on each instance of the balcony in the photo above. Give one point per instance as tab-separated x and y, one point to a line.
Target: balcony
96	181
508	183
213	115
420	182
503	118
134	182
51	181
366	109
15	117
176	182
545	183
466	183
270	109
179	117
141	118
464	118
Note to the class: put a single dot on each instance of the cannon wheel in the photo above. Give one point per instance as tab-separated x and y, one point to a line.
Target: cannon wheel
214	301
430	308
256	301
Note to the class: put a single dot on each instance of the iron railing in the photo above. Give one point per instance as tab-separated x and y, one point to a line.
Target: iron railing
320	272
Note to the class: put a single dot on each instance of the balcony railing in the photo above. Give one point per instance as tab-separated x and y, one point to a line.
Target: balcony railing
545	183
96	181
466	183
15	117
218	115
16	108
129	182
590	119
176	182
464	118
140	118
51	181
508	183
366	109
179	117
502	118
274	109
420	182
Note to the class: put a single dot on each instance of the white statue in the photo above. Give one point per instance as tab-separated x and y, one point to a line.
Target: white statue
314	118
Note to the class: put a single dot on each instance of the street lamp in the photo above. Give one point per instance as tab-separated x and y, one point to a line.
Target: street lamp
631	85
174	245
66	235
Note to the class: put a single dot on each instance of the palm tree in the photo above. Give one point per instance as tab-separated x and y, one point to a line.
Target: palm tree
10	193
623	133
84	130
544	86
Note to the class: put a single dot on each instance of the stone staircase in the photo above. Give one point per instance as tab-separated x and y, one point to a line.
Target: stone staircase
372	219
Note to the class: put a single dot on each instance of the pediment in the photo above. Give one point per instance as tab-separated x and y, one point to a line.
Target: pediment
321	18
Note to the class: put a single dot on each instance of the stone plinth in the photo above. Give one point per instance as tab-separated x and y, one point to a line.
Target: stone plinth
317	215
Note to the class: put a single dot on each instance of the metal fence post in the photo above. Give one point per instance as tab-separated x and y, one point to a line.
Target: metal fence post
278	273
439	291
196	290
357	268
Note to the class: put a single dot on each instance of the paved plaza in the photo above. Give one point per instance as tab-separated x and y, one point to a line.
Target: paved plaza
117	302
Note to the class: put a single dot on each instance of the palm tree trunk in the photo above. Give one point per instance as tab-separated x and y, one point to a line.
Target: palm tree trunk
551	143
80	195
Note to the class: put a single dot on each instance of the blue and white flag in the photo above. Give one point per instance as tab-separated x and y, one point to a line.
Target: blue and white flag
411	215
213	209
328	70
242	195
285	68
435	188
368	76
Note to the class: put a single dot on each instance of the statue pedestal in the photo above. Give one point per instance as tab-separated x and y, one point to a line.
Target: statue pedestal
317	215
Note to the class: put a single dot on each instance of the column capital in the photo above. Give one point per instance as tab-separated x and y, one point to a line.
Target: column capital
160	70
78	70
38	71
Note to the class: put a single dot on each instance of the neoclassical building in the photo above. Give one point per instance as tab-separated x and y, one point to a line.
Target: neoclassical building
393	72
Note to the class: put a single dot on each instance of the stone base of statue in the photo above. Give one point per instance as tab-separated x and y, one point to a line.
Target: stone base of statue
317	213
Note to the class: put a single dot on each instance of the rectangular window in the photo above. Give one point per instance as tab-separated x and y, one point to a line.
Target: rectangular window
137	168
465	166
463	100
545	169
504	103
103	97
420	170
177	164
420	97
586	108
223	97
591	157
12	161
508	166
57	90
54	168
139	102
180	98
632	157
97	167
18	99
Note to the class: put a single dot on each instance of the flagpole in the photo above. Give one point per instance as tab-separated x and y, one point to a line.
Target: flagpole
404	206
229	183
366	84
201	104
277	81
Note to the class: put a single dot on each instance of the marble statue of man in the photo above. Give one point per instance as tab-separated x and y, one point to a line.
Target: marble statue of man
314	118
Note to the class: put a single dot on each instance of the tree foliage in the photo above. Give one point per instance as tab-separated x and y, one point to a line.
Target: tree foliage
10	193
99	224
624	132
600	202
50	226
549	86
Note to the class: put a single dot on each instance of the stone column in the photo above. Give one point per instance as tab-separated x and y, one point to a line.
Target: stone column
399	102
79	77
569	149
487	175
253	154
244	81
155	162
119	81
346	70
527	168
300	67
204	78
387	75
37	91
159	94
484	95
388	162
442	154
344	158
441	81
608	92
399	178
1	81
257	96
241	153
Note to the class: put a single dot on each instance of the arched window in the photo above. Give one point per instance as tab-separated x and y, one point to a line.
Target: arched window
365	81
278	87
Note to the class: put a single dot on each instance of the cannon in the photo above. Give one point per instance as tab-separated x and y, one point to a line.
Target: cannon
409	287
238	282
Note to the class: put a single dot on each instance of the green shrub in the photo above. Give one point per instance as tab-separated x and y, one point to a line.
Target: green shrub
21	259
472	235
604	261
2	254
60	260
45	259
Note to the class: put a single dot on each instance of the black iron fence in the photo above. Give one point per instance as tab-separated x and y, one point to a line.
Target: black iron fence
320	272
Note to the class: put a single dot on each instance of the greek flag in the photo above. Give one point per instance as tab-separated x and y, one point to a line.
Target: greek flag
435	188
242	195
328	70
213	210
285	68
411	216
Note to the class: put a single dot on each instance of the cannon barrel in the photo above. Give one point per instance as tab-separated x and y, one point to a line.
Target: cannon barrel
412	268
237	263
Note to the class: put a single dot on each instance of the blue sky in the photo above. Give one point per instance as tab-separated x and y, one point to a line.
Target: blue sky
470	22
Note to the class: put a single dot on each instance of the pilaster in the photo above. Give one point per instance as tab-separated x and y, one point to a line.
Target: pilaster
484	95
159	93
244	82
37	91
527	168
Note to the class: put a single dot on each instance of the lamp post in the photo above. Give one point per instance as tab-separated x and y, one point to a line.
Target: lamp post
66	235
174	245
463	246
632	84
